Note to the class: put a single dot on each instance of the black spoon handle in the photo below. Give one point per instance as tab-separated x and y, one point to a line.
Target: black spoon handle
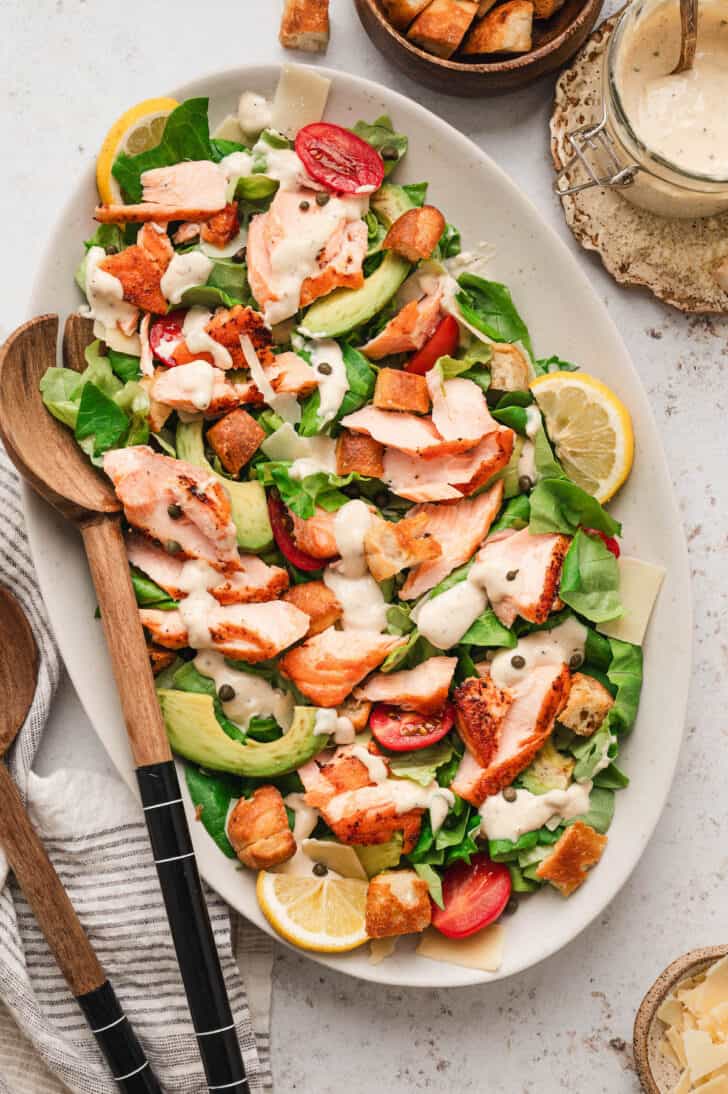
192	934
118	1041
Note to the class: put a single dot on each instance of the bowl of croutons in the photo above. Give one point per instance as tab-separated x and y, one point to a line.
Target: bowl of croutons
478	47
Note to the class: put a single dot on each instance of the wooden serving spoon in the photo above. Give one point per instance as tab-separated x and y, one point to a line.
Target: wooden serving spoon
47	456
688	36
39	881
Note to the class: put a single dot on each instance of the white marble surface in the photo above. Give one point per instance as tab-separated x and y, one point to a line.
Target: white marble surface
69	68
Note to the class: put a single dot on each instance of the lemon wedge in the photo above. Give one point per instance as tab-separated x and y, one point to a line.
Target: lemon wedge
137	130
324	914
590	429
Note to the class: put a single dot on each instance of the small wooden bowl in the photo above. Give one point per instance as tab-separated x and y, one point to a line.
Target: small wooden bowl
555	41
656	1074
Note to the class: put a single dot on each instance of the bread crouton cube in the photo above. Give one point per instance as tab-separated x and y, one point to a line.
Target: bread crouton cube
158	412
398	902
506	29
588	705
416	233
235	439
357	711
401	12
259	831
305	25
508	368
544	9
392	546
356	452
318	602
480	709
576	851
440	28
399	390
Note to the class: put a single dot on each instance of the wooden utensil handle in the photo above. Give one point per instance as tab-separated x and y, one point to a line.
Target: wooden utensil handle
109	566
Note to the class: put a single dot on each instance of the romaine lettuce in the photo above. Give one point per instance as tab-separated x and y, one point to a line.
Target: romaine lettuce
590	579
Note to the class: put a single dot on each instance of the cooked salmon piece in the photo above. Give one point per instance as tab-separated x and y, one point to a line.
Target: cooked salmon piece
259	831
459	409
289	374
408	330
423	688
315	535
480	710
179	387
398	902
451	478
222	227
459	527
406	432
326	667
392	546
149	484
159	658
535	562
226	327
399	390
153	239
536	702
339	775
235	439
341	263
140	268
255	581
416	233
187	231
318	602
158	413
359	453
575	852
242	632
192	190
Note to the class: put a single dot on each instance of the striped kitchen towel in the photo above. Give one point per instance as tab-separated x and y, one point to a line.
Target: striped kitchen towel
93	830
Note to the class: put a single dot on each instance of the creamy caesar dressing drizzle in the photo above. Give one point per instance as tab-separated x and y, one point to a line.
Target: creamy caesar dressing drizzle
555	647
286	406
199	341
375	765
255	114
404	794
501	819
105	295
309	454
333	382
254	696
328	722
185	271
306	817
527	459
362	601
196	608
444	619
282	164
605	759
195	382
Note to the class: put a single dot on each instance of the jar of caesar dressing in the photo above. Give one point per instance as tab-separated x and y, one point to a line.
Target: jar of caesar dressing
662	139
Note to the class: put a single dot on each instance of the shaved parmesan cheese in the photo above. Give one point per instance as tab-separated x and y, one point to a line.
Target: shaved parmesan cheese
639	584
120	343
309	454
684	1085
337	856
716	1022
702	1056
300	99
718	1084
229	130
674	1039
379	948
670	1012
714	989
483	950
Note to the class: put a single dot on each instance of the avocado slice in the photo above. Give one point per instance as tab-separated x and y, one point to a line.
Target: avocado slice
390	202
344	309
249	507
550	770
195	733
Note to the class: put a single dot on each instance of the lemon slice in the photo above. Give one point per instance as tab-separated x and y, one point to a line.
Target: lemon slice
324	914
137	130
590	429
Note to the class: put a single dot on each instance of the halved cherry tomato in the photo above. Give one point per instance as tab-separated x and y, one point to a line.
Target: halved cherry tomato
609	541
338	159
405	730
280	522
443	343
165	334
474	895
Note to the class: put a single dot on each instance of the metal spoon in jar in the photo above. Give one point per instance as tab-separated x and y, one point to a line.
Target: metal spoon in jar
688	35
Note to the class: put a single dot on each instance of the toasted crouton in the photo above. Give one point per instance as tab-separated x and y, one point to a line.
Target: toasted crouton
440	28
357	711
259	831
398	902
158	412
159	659
236	438
588	705
544	9
579	848
480	710
318	602
392	546
357	452
416	233
508	368
506	29
399	390
305	25
401	12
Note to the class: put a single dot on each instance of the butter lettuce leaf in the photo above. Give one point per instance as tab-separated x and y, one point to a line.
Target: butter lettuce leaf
590	579
211	794
559	505
489	307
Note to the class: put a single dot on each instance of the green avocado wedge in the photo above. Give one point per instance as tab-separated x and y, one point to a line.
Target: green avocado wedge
390	202
195	733
247	499
345	309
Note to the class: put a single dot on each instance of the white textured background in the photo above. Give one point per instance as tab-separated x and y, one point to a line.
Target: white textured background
67	69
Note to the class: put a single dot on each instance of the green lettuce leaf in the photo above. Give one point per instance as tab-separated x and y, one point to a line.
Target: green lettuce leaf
99	417
211	795
186	136
487	630
625	674
322	489
449	244
590	579
590	751
124	365
410	654
226	286
416	192
420	765
516	514
381	135
361	378
434	882
553	364
488	306
60	390
148	593
108	236
559	505
547	466
601	810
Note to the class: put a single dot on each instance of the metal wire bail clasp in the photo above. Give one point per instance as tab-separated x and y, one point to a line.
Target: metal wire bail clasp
594	140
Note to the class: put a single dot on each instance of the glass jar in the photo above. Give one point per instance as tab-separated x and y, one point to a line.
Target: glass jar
614	155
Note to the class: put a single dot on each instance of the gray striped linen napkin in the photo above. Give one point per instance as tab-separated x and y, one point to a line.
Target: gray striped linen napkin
93	830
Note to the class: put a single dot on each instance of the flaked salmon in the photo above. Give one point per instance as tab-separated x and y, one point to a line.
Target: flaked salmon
226	328
326	667
195	387
140	268
423	688
289	374
151	486
242	632
459	527
535	562
480	710
315	535
459	409
222	227
392	546
191	190
454	477
408	330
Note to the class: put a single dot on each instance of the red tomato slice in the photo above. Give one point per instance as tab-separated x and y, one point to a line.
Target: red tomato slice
280	523
474	896
405	730
165	334
609	541
338	159
443	343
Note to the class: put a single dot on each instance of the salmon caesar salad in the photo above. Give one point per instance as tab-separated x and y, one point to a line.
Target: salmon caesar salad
396	646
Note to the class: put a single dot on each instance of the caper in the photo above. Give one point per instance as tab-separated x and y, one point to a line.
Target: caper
510	794
576	660
525	483
324	368
511	906
240	256
174	510
320	869
389	152
304	205
226	693
511	575
172	547
323	199
518	662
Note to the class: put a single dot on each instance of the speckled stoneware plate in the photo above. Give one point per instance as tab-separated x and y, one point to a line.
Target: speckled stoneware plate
566	317
657	1074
